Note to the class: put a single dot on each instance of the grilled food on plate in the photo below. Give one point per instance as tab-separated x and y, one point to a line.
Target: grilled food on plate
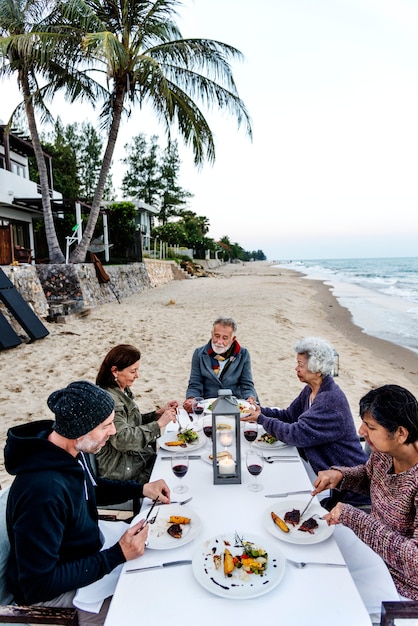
175	530
279	522
222	454
309	526
178	519
229	564
292	517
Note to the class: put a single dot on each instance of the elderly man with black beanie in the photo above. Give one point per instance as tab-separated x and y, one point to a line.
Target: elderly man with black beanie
52	521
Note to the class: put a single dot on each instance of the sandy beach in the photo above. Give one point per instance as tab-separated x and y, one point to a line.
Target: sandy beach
273	307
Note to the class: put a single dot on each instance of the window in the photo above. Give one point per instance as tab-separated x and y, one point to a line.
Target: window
18	169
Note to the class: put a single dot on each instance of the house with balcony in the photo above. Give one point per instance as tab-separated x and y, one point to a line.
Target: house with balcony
21	207
145	220
144	223
20	198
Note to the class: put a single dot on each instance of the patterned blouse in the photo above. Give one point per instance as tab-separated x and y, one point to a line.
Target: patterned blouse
391	528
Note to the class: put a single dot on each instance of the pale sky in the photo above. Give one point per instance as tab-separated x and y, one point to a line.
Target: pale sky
332	90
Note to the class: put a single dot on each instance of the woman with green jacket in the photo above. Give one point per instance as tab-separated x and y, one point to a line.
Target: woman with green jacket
130	453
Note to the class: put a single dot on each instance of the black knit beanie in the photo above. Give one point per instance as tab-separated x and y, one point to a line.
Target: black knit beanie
79	407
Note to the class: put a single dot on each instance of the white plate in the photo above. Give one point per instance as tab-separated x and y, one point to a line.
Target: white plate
268	446
206	457
294	535
158	537
190	447
239	585
205	454
244	405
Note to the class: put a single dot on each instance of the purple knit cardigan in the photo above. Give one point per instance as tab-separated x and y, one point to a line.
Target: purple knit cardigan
325	429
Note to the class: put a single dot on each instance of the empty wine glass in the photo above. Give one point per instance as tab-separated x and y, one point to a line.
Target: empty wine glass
180	466
198	406
255	464
250	432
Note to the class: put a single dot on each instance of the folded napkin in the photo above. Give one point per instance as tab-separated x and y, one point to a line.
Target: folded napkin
91	597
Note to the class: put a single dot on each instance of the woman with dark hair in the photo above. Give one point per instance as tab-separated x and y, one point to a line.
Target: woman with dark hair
130	453
390	427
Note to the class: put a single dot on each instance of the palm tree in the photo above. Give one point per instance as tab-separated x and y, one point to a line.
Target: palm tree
146	61
32	50
17	26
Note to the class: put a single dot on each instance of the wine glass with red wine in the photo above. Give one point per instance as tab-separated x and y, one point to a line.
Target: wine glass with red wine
255	464
198	406
207	426
250	432
180	466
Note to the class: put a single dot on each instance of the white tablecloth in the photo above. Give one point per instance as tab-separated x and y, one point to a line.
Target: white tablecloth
90	598
308	596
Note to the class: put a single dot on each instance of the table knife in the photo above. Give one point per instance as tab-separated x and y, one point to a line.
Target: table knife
284	495
283	456
193	457
307	506
271	461
169	564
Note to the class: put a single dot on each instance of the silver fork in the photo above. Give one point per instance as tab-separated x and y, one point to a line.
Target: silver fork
175	502
178	420
153	518
302	564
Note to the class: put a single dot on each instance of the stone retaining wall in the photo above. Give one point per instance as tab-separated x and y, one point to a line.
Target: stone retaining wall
162	272
26	281
61	289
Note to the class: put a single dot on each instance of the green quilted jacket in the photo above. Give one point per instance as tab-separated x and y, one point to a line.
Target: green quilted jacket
130	454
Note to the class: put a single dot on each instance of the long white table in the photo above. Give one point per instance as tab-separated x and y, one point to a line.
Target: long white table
304	596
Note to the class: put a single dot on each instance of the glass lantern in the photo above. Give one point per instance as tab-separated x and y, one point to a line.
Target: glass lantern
226	439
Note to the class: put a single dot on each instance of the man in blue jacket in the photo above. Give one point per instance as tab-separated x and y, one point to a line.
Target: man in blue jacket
220	364
52	519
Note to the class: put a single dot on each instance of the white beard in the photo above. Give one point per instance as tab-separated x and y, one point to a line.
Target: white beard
220	349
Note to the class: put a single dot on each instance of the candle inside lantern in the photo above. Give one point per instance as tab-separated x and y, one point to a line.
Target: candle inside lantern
226	466
226	439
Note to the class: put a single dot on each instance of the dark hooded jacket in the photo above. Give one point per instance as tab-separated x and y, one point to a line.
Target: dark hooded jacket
52	519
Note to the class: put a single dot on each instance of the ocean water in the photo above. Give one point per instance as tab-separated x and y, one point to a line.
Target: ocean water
381	294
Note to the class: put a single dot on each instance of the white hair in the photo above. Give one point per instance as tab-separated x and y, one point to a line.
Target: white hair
320	354
226	321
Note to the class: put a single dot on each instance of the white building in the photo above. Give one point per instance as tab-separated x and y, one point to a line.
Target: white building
144	220
20	198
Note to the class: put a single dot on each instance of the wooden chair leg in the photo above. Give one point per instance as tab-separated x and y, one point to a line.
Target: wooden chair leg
15	614
398	610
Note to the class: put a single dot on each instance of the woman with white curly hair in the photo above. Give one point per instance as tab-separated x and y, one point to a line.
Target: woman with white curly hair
319	421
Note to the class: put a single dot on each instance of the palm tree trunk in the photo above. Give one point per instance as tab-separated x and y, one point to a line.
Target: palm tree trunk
54	250
79	253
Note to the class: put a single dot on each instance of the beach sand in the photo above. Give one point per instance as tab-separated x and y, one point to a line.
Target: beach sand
273	307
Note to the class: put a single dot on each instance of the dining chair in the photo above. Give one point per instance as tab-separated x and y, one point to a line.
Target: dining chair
402	610
16	614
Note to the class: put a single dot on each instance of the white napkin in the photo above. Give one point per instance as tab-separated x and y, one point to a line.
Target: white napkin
368	570
91	597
